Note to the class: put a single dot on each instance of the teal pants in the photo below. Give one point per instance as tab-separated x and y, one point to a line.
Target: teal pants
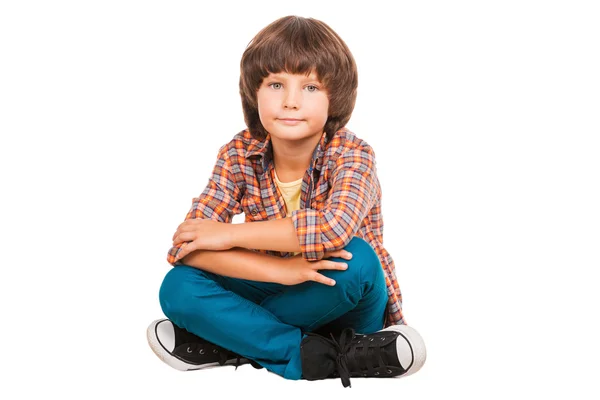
266	322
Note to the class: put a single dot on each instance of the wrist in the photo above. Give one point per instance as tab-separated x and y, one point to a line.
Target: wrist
234	235
276	268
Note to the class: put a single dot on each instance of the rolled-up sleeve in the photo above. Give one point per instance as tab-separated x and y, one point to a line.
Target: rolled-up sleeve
219	201
354	189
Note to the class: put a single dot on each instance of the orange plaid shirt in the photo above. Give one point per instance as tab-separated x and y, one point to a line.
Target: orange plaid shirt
341	198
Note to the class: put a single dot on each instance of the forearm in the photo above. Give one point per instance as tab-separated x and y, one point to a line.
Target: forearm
236	263
277	235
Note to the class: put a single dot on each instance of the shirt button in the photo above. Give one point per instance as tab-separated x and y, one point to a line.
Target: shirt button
254	212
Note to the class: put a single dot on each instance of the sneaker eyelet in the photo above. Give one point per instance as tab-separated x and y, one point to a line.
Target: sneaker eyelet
371	339
201	351
189	350
376	373
382	338
389	372
215	351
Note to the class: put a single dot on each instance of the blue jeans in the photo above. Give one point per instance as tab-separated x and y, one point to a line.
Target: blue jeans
265	321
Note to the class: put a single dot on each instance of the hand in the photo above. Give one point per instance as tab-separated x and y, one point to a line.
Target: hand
202	234
295	270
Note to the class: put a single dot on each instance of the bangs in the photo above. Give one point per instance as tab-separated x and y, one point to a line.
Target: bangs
296	48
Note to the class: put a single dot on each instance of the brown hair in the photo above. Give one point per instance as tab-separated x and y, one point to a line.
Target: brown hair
298	45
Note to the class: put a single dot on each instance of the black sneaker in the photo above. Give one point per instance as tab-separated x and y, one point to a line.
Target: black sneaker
185	351
395	351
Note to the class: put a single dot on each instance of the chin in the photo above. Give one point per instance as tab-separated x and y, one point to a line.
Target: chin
291	132
291	137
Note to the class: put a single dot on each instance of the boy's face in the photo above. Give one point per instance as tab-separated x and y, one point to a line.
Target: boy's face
293	107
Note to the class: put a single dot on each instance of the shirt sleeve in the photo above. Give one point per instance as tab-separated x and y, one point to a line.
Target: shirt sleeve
219	201
354	191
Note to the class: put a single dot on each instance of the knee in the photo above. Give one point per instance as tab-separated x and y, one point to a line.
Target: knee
363	255
365	265
175	291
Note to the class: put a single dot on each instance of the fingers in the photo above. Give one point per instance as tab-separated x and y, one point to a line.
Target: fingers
180	229
346	255
185	226
185	249
186	231
182	253
339	266
317	277
184	237
329	265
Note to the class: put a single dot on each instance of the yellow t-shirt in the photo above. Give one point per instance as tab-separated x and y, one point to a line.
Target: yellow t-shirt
291	194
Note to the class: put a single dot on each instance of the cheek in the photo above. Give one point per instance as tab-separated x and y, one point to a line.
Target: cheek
322	110
265	104
263	108
263	116
324	105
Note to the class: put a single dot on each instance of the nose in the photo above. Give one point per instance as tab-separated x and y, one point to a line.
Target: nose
292	99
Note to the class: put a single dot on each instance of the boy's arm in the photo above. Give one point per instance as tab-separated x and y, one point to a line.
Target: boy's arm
355	189
236	263
219	201
246	264
277	235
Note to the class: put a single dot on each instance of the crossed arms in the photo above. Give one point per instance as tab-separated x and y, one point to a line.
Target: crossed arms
207	241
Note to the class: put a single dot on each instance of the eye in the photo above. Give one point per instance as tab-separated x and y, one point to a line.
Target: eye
312	88
275	85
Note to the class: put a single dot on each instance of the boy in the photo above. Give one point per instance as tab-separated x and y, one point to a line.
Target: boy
308	262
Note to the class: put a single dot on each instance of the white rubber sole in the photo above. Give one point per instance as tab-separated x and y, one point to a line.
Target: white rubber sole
416	343
175	362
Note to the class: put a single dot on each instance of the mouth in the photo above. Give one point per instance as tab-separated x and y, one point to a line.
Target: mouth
290	121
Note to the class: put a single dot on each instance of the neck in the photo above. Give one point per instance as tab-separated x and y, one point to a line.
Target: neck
292	159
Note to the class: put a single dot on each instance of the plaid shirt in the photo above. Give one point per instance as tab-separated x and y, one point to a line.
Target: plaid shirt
340	199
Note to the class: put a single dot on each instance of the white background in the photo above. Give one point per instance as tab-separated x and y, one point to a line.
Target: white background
484	117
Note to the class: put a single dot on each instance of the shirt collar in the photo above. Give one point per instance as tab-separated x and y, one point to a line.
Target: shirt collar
264	151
